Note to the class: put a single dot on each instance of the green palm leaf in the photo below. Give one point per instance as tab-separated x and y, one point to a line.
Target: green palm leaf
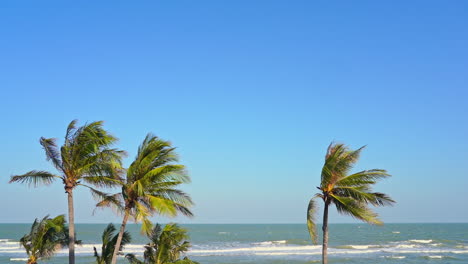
166	246
46	237
35	178
109	240
311	211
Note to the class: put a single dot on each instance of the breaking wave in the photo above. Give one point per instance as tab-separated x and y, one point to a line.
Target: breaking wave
393	250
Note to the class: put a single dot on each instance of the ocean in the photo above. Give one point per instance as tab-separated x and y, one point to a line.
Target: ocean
280	243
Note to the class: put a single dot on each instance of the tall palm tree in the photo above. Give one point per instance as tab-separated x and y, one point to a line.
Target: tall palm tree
165	247
109	239
45	237
150	186
85	156
350	193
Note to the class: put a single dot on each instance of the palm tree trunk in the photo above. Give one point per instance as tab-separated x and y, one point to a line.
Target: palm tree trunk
325	234
119	238
71	228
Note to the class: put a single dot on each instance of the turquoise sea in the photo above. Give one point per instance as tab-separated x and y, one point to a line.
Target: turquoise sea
281	243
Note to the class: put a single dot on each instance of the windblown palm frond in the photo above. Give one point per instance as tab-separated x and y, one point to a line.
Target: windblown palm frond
46	236
311	211
35	178
166	246
109	239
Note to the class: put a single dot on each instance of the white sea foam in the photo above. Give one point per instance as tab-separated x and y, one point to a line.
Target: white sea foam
459	251
271	248
85	249
267	243
394	257
364	246
285	253
396	232
421	241
406	246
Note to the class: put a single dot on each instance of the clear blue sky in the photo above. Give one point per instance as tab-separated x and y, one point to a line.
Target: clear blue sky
251	93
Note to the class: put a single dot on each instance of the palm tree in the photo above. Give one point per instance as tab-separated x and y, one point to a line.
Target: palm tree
149	187
350	193
109	239
165	247
85	156
45	237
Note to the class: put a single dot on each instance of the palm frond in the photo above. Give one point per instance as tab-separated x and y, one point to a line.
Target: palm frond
363	177
162	206
45	237
35	178
174	195
52	153
170	172
109	241
338	161
113	201
311	211
102	181
146	226
90	151
70	130
362	194
358	210
132	259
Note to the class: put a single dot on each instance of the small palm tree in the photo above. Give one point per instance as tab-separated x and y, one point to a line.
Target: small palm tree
350	193
109	239
45	237
165	247
150	186
85	156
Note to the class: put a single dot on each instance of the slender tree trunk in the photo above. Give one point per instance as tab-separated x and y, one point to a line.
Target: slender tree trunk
325	234
71	228
119	238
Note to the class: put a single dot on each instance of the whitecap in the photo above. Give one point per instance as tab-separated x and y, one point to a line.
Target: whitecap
394	257
267	243
422	241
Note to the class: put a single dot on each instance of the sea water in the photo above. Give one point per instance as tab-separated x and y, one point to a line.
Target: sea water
279	243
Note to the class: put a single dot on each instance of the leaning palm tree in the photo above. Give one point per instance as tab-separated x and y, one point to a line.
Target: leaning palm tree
109	239
150	186
350	193
45	237
165	247
85	156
